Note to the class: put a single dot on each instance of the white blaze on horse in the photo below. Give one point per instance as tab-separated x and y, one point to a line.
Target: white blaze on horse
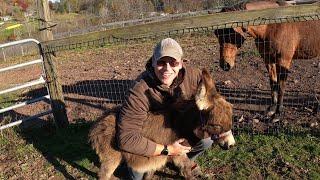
278	45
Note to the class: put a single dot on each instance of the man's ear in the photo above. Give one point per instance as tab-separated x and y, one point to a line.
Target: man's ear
201	134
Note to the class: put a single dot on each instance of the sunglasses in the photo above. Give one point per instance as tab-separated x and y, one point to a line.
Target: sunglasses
172	63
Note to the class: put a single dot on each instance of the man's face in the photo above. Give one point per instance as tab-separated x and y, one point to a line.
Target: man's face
167	69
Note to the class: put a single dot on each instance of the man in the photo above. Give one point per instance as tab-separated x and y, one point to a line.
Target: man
166	83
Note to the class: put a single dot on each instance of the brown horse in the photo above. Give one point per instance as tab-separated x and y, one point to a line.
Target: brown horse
277	44
210	116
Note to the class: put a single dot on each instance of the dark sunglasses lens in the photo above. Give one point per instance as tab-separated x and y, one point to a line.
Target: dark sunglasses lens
161	63
172	63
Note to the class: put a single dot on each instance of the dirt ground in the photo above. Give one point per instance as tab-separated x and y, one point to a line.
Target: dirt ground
95	80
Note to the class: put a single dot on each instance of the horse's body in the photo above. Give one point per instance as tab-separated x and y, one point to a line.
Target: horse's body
165	128
278	45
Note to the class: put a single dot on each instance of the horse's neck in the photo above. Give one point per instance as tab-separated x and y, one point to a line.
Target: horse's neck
261	30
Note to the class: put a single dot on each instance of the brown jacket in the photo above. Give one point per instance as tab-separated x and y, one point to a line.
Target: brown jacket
149	96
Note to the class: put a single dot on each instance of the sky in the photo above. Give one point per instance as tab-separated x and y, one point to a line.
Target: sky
54	0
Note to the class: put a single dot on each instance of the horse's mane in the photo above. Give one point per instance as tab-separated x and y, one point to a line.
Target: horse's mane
242	5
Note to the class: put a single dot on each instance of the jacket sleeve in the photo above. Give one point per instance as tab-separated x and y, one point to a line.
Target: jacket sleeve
130	123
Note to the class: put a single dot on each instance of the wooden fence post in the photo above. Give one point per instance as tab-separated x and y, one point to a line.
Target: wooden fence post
45	20
53	83
55	89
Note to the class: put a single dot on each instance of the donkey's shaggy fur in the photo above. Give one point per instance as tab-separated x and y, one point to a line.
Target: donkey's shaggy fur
165	128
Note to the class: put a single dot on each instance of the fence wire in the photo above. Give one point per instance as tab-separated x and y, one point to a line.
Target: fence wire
98	78
108	40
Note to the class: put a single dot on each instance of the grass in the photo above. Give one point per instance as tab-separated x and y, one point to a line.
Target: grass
281	156
62	153
5	34
65	153
7	100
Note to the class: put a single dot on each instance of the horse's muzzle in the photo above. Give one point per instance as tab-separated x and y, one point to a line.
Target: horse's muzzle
224	65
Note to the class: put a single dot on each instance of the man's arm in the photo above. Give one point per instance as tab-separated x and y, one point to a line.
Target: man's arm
130	123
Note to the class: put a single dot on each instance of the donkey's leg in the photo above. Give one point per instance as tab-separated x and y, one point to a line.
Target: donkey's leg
186	167
274	85
108	167
148	175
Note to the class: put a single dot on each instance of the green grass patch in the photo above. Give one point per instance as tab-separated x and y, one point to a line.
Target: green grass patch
61	150
268	156
254	157
7	100
5	34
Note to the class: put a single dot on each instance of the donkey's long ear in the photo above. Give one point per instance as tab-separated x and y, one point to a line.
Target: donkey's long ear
206	90
208	81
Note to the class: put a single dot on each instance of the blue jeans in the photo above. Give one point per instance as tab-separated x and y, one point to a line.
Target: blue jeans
196	151
199	148
134	175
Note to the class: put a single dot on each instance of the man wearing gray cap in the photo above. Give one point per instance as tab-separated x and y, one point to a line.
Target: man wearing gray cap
165	81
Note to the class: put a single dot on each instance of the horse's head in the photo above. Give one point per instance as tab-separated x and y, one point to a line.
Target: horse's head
215	113
230	40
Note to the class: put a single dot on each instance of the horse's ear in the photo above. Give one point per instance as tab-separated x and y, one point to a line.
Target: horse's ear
241	31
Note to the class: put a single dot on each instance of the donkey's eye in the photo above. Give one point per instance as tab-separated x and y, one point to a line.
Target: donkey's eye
214	129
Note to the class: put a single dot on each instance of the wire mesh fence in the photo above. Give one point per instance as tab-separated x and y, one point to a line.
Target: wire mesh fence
98	78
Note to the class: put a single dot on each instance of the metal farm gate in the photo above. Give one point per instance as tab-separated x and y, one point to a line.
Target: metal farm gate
40	81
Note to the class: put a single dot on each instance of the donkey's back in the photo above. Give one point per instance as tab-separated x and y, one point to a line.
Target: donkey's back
102	137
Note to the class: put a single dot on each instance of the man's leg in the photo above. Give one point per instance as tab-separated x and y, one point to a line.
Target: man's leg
134	175
199	148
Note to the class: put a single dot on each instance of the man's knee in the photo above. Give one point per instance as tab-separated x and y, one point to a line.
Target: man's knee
206	143
134	175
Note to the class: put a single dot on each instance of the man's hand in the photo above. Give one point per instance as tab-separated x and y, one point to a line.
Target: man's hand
177	149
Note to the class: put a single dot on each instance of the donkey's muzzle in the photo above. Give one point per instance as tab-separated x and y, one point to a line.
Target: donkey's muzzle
227	142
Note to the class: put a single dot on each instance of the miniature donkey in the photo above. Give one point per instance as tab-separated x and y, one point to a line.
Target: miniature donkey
211	116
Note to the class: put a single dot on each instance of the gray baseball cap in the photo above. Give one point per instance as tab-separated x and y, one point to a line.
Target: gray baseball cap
167	47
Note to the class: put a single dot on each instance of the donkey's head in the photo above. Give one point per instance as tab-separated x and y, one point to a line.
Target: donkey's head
215	113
